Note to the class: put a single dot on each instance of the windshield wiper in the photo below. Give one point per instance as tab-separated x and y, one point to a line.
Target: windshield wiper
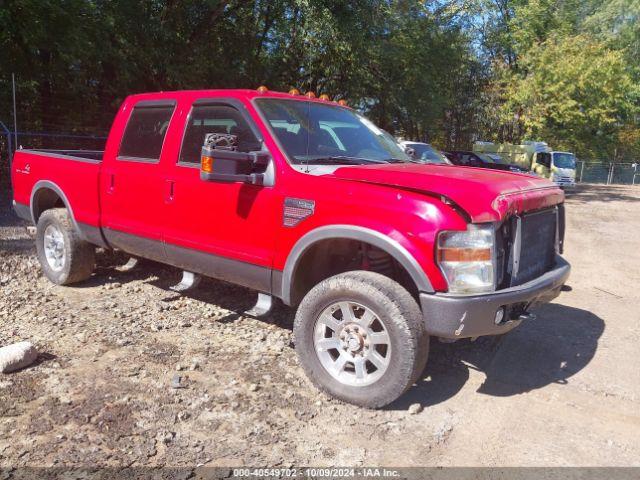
339	159
399	160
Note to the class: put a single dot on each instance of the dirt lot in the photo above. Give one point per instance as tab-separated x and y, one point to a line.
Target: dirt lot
561	390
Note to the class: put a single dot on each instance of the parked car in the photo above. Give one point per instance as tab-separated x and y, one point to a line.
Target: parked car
482	160
536	157
304	200
424	153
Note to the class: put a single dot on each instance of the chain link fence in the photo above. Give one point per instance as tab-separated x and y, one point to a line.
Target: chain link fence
49	140
608	172
586	171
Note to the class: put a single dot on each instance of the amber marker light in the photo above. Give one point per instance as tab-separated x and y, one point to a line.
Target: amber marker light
262	89
294	91
206	164
324	97
342	102
464	254
310	95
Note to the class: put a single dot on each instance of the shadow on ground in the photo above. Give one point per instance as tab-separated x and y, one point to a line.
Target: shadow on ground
13	235
558	344
551	349
228	296
18	245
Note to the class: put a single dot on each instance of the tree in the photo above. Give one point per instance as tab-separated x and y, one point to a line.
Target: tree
575	93
446	71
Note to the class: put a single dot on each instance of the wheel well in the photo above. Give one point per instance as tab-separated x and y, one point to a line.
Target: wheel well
330	257
44	199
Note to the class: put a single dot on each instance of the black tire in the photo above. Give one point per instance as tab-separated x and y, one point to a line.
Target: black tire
79	255
402	318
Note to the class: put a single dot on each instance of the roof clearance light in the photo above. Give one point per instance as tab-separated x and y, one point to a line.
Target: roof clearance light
324	97
262	89
294	91
342	102
310	95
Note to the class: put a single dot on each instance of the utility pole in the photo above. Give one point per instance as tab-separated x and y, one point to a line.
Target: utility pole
15	115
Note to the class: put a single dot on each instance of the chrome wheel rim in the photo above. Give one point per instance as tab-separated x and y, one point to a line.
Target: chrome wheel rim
54	248
352	343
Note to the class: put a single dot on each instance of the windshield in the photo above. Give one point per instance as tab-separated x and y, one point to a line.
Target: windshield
485	157
497	158
427	154
311	132
564	160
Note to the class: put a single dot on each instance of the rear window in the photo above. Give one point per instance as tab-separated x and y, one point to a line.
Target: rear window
145	132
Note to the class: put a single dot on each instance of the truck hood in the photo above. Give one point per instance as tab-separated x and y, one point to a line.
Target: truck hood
485	195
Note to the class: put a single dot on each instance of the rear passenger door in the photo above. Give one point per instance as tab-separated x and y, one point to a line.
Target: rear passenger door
224	230
133	185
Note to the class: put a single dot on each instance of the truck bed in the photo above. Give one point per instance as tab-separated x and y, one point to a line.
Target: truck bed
67	177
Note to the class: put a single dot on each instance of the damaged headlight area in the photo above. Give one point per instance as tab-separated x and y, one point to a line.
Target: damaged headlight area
467	259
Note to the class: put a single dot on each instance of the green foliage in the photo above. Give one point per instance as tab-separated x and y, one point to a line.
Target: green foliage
445	71
617	23
574	93
571	78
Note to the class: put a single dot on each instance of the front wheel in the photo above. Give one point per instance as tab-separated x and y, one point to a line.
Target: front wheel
360	337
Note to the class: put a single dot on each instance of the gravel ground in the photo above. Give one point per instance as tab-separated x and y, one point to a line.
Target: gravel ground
561	390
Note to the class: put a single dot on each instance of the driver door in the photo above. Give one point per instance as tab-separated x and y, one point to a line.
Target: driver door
224	230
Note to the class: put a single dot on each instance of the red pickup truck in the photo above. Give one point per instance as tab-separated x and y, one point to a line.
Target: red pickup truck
305	200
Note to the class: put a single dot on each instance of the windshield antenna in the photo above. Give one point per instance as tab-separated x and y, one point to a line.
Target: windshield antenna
308	135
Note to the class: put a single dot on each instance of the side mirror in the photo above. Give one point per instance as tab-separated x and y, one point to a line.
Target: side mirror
220	162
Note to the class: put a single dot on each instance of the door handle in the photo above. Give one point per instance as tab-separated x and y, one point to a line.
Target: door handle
170	190
112	183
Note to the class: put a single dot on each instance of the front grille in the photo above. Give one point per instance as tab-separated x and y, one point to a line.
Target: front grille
526	247
561	180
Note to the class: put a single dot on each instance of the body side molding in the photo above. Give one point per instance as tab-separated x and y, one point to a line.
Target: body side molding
248	275
373	237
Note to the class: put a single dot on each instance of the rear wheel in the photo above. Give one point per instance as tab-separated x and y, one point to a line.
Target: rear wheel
65	258
360	337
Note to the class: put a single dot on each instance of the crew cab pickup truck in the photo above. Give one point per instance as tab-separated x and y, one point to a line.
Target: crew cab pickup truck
304	200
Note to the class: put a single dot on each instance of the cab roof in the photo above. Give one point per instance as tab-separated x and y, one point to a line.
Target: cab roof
247	94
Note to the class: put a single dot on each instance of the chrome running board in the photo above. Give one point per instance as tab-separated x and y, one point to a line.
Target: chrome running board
189	281
263	306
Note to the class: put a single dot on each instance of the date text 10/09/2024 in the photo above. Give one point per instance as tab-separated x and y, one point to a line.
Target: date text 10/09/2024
315	473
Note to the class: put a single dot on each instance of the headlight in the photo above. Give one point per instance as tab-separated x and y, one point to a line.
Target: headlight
466	259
